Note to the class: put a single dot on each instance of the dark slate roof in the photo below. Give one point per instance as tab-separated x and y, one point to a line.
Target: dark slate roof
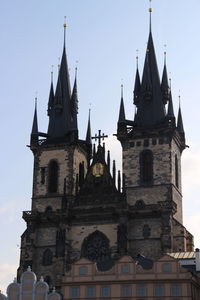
60	117
137	87
180	127
170	112
35	122
88	134
122	117
74	105
151	109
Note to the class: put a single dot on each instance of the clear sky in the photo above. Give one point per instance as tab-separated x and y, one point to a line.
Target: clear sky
103	36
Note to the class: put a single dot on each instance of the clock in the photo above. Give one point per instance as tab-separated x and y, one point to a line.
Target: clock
98	169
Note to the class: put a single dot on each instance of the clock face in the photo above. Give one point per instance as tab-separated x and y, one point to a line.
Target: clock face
97	170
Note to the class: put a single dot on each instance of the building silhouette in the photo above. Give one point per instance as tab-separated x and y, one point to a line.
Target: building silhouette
81	207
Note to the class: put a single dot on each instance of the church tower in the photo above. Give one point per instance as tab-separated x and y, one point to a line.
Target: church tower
60	163
152	146
77	208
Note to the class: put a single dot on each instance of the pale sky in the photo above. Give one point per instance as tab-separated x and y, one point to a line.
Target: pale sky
102	35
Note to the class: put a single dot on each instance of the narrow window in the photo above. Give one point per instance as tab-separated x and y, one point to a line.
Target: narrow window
82	270
53	177
105	291
176	290
42	170
141	290
47	257
74	292
125	269
166	268
126	291
176	172
90	291
146	167
159	290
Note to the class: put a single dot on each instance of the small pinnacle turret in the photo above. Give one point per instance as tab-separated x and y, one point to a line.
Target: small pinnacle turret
122	117
74	104
88	134
34	132
170	112
164	84
137	86
180	126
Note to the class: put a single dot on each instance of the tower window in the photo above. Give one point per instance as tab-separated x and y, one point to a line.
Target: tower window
146	166
47	257
42	175
53	177
176	172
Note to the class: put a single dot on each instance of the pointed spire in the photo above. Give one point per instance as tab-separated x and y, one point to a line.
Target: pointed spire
74	102
180	127
35	122
164	83
137	85
108	160
61	117
122	117
114	172
88	134
170	112
151	110
51	96
119	181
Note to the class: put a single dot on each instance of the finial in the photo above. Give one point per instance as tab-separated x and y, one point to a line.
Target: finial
150	11
76	68
58	64
52	66
165	53
122	90
41	279
179	98
29	269
137	57
170	82
65	25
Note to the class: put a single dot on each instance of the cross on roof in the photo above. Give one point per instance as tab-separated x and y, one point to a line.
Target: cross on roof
99	137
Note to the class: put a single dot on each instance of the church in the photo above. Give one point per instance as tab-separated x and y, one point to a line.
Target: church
82	209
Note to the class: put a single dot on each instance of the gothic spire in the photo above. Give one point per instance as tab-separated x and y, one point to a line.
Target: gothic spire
61	117
137	85
170	112
151	110
164	83
74	103
180	127
88	134
34	131
51	96
35	122
122	117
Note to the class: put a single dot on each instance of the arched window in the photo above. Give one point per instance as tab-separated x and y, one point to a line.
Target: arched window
47	257
146	166
53	177
176	172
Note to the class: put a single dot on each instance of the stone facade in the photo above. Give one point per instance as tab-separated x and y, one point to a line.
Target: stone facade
77	209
